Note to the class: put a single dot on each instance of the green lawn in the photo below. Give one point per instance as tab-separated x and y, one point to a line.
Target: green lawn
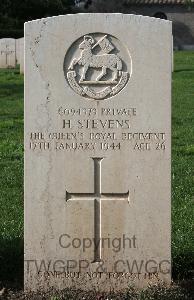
11	175
11	170
183	165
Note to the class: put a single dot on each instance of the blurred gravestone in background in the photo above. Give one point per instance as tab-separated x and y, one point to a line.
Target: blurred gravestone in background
7	53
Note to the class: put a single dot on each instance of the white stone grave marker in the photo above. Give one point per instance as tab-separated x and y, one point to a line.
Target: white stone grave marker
97	151
7	53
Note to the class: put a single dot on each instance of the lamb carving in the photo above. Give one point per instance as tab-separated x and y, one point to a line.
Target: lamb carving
89	60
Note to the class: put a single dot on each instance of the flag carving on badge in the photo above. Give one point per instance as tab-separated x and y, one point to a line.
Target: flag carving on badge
105	45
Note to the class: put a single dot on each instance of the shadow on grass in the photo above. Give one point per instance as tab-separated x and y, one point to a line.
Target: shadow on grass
11	262
11	89
184	70
183	266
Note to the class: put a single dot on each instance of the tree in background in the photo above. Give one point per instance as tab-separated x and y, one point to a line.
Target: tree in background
33	9
13	13
102	6
109	6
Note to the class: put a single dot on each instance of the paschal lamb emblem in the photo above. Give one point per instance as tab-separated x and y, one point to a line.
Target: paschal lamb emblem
97	71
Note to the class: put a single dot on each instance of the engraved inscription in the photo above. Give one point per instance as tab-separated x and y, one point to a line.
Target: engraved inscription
98	129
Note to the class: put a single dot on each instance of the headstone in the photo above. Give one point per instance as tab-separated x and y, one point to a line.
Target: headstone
172	54
7	53
97	151
187	47
17	51
22	56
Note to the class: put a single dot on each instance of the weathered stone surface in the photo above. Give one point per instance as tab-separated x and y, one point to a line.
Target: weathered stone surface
18	50
7	53
22	56
97	151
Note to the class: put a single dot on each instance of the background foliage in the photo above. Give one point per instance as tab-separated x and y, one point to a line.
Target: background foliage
13	13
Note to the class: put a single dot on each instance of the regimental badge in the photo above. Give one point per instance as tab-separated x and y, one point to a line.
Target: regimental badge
97	66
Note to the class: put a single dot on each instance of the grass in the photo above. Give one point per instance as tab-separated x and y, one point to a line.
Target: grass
11	172
183	165
11	175
151	293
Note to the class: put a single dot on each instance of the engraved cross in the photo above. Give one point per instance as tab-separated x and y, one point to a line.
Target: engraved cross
97	197
6	52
